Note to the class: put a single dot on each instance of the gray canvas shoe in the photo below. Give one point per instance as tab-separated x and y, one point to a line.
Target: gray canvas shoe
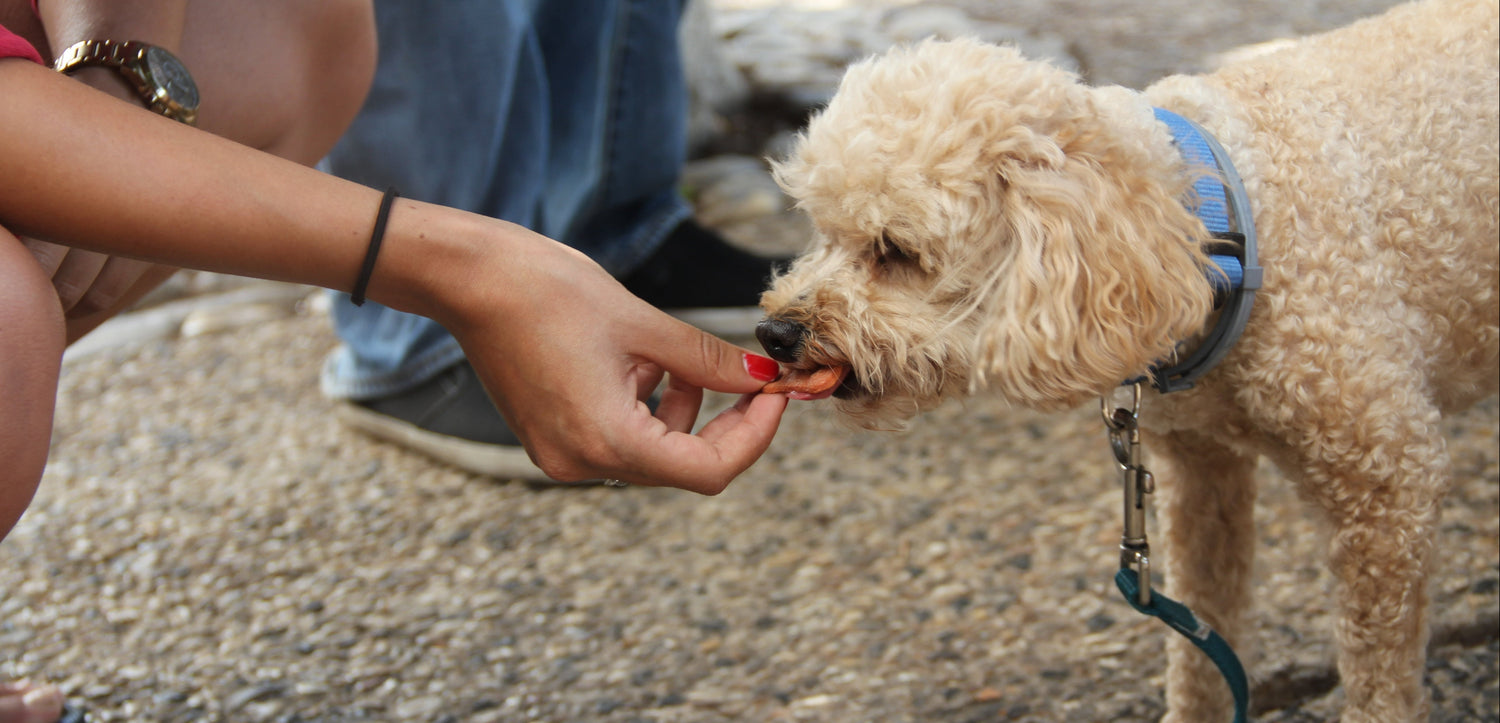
451	419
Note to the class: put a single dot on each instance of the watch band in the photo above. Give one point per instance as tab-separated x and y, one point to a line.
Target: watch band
130	59
109	53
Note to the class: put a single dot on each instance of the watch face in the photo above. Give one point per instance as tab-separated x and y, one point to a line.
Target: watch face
172	78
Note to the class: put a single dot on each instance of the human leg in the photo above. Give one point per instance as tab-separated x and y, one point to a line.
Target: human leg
576	129
32	342
513	110
461	85
308	78
282	76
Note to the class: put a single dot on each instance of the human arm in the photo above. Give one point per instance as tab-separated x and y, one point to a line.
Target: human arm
565	350
285	76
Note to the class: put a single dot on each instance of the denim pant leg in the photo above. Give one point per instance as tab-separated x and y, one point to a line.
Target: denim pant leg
565	116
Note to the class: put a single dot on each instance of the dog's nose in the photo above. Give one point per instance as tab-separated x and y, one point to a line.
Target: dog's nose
782	339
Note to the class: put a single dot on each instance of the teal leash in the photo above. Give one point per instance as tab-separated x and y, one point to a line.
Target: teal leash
1220	201
1178	617
1134	577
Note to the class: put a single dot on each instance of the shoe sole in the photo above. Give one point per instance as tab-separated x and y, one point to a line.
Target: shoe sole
478	458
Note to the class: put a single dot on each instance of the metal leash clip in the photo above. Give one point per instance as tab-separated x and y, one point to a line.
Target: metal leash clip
1125	441
1134	576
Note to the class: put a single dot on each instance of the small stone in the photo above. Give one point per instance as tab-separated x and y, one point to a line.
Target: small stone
225	318
254	694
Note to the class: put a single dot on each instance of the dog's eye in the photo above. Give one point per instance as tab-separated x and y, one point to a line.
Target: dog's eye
888	253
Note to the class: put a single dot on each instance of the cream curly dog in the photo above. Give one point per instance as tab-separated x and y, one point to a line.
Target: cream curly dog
990	225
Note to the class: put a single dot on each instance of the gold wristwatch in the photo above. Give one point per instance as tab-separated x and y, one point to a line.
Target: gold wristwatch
157	75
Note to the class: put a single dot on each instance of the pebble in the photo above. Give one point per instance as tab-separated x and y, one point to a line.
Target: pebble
254	694
228	318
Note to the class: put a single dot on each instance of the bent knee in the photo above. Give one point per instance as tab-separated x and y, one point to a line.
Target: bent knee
332	55
32	338
33	313
340	64
283	76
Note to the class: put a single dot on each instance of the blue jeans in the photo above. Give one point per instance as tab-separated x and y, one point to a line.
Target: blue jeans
564	116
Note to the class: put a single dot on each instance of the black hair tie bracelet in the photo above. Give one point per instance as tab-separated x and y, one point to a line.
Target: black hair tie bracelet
357	296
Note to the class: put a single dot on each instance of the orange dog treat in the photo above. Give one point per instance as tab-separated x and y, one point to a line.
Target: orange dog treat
815	381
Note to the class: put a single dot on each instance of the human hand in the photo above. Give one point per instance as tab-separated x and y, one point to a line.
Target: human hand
89	282
569	356
27	702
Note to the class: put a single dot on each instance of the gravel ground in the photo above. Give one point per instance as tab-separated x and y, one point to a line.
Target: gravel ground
208	545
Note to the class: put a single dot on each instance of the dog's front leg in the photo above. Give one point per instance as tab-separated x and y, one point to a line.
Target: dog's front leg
1380	482
1206	504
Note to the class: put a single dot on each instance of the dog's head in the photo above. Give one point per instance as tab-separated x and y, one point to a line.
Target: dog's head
984	223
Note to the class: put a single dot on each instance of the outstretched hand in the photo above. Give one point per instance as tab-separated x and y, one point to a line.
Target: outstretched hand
570	357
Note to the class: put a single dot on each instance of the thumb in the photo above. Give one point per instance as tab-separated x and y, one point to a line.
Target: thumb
703	360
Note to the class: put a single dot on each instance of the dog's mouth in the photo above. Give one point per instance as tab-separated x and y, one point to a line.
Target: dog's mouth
818	382
809	370
849	387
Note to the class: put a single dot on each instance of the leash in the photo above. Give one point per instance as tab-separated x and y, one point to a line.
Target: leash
1134	576
1224	207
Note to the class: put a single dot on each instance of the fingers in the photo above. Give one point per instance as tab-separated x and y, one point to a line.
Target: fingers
573	394
72	271
661	451
75	275
668	453
25	702
704	360
111	286
708	461
679	406
88	282
49	255
113	299
735	439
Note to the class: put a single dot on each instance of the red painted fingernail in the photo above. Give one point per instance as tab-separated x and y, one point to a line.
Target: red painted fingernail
762	368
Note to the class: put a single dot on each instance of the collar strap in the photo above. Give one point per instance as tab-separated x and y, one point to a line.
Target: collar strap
1224	208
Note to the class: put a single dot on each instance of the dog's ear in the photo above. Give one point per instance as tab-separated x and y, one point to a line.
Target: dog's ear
1099	274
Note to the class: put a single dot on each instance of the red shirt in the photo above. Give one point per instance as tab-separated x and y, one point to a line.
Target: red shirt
14	46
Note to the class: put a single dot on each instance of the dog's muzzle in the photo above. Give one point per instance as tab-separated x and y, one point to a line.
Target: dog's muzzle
786	342
782	339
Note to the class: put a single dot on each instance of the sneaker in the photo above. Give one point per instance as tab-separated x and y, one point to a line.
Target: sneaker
695	267
451	419
702	279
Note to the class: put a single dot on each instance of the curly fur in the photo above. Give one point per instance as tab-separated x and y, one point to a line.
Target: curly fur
990	225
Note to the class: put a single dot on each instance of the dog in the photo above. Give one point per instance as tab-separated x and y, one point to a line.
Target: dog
986	224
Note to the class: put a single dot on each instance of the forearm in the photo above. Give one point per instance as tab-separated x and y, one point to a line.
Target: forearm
565	351
105	176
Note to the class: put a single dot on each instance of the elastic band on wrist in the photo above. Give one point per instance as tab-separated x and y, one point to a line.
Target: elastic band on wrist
357	296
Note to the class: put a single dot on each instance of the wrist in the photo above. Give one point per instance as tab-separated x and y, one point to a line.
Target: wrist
111	82
433	258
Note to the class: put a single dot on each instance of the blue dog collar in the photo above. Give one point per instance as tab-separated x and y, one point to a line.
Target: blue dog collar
1224	208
